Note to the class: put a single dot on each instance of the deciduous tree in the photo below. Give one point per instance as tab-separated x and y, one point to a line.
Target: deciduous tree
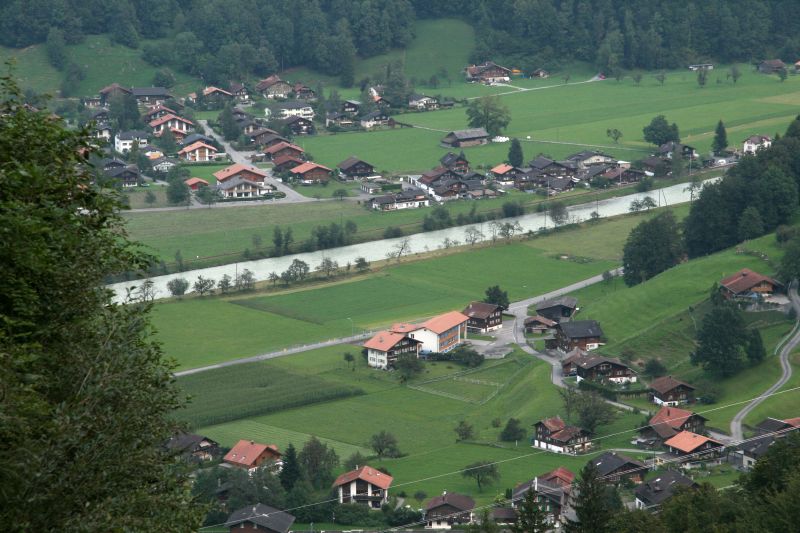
464	431
496	295
384	444
652	247
178	286
659	131
483	472
488	112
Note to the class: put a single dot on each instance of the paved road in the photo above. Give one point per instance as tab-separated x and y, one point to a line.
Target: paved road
786	367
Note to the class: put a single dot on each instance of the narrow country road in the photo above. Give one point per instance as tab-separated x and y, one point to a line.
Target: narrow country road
790	343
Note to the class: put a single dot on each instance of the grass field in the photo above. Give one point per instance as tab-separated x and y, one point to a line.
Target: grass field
352	188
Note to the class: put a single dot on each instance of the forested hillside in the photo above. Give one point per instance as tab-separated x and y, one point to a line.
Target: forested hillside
222	40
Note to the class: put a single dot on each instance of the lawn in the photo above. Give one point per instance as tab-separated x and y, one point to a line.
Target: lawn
136	196
403	292
352	188
206	172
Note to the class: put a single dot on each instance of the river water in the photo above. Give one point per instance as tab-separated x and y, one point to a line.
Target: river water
420	242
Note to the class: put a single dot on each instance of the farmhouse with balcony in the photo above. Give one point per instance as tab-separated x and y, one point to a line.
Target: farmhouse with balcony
420	102
175	124
283	148
407	199
613	467
216	94
584	334
150	95
597	368
691	446
505	173
195	184
365	486
449	510
455	162
375	118
299	126
285	162
748	284
385	347
488	72
301	91
127	176
459	188
194	447
245	172
339	119
239	187
308	173
667	390
198	152
439	334
552	491
668	422
434	177
464	138
351	107
261	136
755	143
158	111
555	435
258	518
651	494
558	309
250	455
240	92
483	317
355	168
274	87
588	158
669	148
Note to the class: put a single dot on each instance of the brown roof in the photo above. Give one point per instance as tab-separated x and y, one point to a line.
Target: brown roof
368	474
744	280
480	310
665	384
554	424
246	453
211	90
671	416
195	181
566	434
286	158
459	501
793	421
167	118
687	442
561	475
440	324
280	146
384	341
235	169
538	318
307	167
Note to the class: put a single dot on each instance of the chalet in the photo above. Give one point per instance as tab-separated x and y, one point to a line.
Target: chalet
375	118
505	173
337	118
295	108
250	455
108	92
351	107
747	284
503	516
240	92
195	183
667	149
240	187
110	162
282	149
544	166
194	137
622	175
170	122
613	467
258	518
464	138
385	347
771	66
657	165
558	309
263	139
303	92
285	162
127	176
668	422
246	172
92	102
365	485
151	95
552	491
274	87
309	172
454	189
555	435
433	177
100	116
198	152
483	317
420	102
588	158
667	390
539	324
355	168
488	72
690	445
584	334
439	334
448	510
773	425
455	162
215	93
158	111
653	493
101	130
194	447
164	164
540	73
599	368
407	199
299	126
756	142
124	140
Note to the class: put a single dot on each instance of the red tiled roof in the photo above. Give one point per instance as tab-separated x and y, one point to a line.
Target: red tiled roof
793	421
502	168
404	327
210	90
671	416
167	118
307	167
246	453
368	474
440	324
744	280
159	107
687	442
384	341
196	145
235	169
560	475
280	146
195	181
554	424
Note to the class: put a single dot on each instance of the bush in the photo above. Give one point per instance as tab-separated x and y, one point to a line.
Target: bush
654	368
513	431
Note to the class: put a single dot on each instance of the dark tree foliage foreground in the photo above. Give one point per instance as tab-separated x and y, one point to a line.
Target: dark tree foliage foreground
652	247
87	397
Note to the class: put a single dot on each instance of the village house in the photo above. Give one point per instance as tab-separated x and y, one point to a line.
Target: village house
158	111
339	119
195	184
262	137
375	118
217	94
488	72
505	173
124	140
597	368
464	138
101	130
755	143
667	390
669	148
552	491
554	435
483	317
294	109
544	166
448	510
198	152
420	102
150	95
175	124
431	178
274	87
656	165
691	446
584	334
240	187
245	172
460	188
747	284
455	162
620	175
308	173
613	467
302	91
351	107
771	66
589	158
240	92
194	137
365	486
558	309
163	164
127	176
385	347
439	334
745	455
668	422
651	494
539	324
259	518
540	73
355	168
250	455
406	199
101	115
108	92
283	163
299	126
194	447
283	148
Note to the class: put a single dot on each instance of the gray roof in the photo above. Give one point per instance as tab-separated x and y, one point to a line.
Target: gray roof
115	172
549	489
450	158
660	489
472	133
185	442
264	516
566	301
581	329
585	154
757	447
459	501
236	180
351	161
612	461
194	137
377	114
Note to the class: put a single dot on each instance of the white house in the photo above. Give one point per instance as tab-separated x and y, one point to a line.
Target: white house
408	199
295	109
422	102
385	347
171	122
124	140
365	486
756	142
439	334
